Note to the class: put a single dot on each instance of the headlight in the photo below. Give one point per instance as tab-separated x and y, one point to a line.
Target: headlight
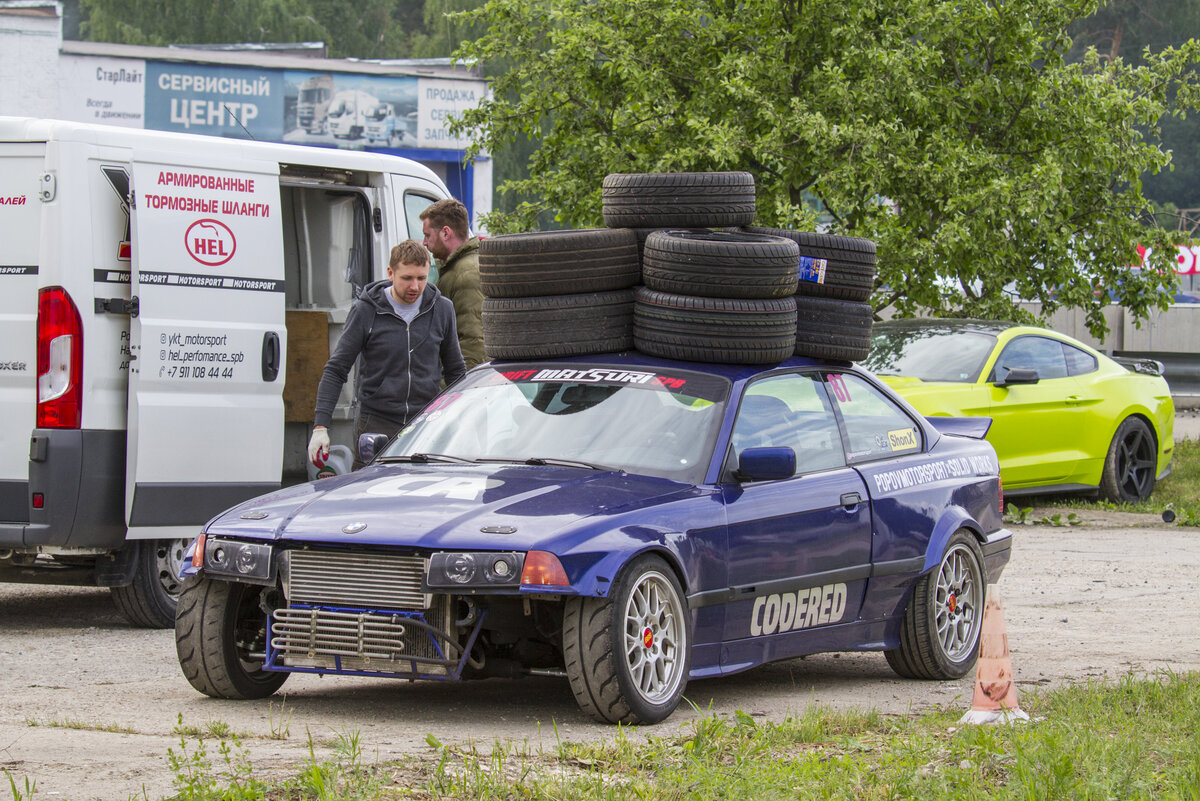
246	561
474	570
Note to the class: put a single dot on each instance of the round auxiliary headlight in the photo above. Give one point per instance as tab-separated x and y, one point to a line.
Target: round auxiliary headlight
501	568
246	560
460	568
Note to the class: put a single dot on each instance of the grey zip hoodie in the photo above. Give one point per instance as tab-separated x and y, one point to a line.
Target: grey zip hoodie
403	364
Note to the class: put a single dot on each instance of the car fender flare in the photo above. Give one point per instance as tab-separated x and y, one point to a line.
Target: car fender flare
598	579
953	519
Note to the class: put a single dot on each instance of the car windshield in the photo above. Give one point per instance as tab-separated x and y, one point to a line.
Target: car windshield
929	353
607	417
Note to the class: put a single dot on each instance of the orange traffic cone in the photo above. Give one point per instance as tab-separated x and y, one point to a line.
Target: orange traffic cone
995	691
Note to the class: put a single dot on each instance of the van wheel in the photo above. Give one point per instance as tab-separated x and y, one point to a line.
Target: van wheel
221	640
150	600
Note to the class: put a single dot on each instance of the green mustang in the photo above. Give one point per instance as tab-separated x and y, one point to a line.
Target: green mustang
1065	416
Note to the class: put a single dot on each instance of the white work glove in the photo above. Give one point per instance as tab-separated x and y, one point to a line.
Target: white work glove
318	446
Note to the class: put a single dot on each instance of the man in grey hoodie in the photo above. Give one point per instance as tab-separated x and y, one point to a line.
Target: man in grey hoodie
404	329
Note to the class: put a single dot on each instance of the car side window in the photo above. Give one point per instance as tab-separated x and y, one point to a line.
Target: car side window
1038	353
790	411
1079	362
876	428
414	204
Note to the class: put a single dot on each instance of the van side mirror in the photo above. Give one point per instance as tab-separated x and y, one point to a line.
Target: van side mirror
1019	375
369	445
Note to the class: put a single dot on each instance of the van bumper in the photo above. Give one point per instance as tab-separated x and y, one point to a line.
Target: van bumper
80	474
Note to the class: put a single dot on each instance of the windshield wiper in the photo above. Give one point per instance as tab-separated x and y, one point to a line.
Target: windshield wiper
555	462
425	458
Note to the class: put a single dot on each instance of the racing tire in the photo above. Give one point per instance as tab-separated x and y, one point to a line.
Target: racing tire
720	264
150	600
628	655
1131	465
833	329
848	272
714	330
558	325
678	199
219	629
939	634
558	263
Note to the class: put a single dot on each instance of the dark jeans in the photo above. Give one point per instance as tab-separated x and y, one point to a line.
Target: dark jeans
372	424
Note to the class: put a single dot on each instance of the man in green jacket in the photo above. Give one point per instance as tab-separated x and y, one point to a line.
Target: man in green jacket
448	237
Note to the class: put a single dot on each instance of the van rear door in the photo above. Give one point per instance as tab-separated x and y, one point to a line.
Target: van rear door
21	168
205	389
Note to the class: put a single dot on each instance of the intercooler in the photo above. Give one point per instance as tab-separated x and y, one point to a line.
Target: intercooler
361	612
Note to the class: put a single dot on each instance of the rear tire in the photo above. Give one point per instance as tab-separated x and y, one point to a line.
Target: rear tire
1131	466
720	264
939	636
220	638
628	656
151	599
833	329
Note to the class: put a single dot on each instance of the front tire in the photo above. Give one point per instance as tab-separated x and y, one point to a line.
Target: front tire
220	638
939	636
628	655
1131	463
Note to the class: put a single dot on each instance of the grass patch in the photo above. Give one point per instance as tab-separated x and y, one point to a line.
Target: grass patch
81	725
1132	738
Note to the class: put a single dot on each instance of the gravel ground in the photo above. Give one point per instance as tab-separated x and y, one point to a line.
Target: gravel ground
91	706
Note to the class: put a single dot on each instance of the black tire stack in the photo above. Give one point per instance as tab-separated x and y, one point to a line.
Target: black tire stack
714	289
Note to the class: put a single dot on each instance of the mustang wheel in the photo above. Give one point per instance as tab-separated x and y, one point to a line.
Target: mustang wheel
628	655
1131	464
939	637
220	637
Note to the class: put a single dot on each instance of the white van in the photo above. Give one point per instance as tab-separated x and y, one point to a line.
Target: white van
167	303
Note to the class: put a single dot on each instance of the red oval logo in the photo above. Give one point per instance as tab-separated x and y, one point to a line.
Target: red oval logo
210	242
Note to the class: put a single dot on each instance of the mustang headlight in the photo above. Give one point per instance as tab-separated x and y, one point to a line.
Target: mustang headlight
474	570
245	561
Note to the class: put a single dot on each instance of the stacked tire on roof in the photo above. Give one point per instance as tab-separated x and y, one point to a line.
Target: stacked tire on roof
680	273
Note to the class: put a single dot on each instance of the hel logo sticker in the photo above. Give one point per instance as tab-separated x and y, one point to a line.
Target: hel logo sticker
815	606
210	242
902	438
463	488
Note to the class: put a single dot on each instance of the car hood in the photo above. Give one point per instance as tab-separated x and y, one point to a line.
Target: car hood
443	506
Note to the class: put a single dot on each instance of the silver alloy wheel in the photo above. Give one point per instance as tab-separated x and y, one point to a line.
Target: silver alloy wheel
653	637
958	603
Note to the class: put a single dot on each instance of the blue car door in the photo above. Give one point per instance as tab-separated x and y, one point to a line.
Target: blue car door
799	547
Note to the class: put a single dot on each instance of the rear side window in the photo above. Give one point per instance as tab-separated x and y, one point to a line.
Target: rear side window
1079	362
876	428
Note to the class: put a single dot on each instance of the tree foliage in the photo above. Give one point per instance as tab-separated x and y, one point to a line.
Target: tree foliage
957	135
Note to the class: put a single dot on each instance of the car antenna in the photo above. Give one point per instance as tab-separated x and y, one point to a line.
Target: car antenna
235	119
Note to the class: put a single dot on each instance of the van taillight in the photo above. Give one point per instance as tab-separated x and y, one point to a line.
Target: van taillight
59	360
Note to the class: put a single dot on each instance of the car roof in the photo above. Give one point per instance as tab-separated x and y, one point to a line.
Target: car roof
732	372
951	324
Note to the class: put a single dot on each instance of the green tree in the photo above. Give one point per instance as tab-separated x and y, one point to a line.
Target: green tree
164	22
957	135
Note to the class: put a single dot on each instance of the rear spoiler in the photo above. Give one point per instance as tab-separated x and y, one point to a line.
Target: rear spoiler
1145	366
973	427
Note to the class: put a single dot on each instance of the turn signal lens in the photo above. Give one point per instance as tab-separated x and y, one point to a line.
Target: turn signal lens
198	554
542	567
